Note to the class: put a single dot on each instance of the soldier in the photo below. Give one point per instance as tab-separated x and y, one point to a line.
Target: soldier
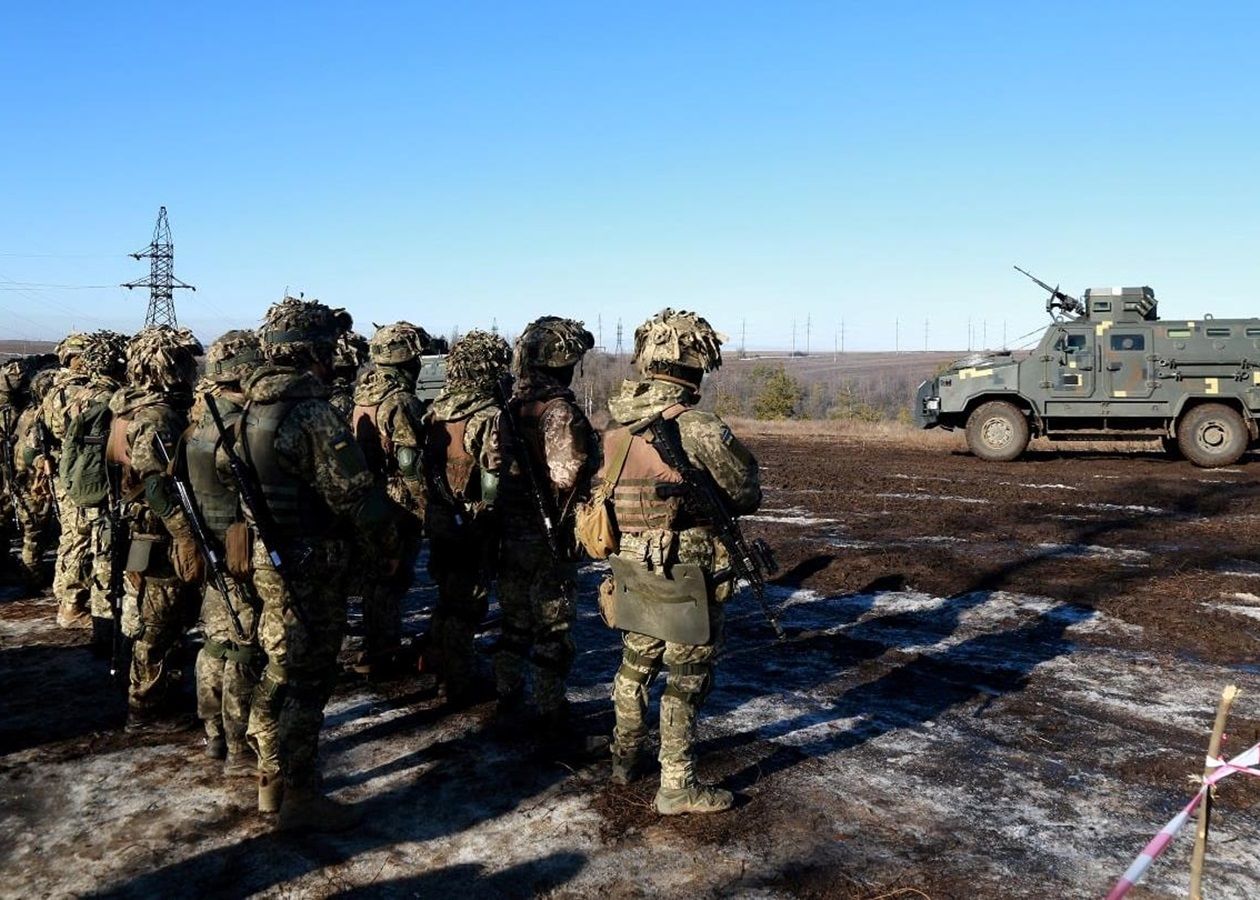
551	452
461	462
229	663
349	358
72	572
104	362
163	560
673	350
36	475
320	495
387	424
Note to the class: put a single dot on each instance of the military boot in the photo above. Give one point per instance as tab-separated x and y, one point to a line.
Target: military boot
216	747
270	792
240	763
73	617
305	810
627	767
693	798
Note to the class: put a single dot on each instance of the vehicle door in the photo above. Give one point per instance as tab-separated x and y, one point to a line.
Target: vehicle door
1126	358
1073	362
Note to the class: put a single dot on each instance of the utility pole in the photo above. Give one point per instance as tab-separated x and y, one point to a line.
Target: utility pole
835	346
161	282
793	337
601	332
842	335
743	338
808	322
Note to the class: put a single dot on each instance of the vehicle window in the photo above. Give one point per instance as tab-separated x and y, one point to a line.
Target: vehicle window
1128	342
1072	342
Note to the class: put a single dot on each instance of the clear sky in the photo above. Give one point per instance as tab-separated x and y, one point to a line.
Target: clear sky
765	163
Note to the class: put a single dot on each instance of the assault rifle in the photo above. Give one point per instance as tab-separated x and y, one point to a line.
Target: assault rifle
215	563
256	505
119	546
749	562
9	469
43	442
538	488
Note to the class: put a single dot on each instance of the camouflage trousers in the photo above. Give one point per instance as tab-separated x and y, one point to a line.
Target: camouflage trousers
538	598
98	583
36	516
382	601
689	668
300	649
72	572
462	569
155	614
228	668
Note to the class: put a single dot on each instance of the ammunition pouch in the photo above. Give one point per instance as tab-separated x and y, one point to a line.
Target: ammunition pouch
673	607
238	551
143	553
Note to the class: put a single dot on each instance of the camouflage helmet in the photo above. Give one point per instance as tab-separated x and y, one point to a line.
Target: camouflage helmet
679	339
163	358
70	347
551	343
42	382
398	344
233	356
477	360
105	353
351	352
301	332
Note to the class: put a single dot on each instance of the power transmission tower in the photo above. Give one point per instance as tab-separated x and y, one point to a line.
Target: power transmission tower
793	337
743	338
494	325
808	321
161	282
600	345
619	350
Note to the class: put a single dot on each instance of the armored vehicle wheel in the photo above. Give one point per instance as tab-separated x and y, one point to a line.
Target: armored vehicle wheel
997	431
1212	435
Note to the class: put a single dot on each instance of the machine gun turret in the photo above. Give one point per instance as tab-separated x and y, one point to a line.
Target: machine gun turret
1065	303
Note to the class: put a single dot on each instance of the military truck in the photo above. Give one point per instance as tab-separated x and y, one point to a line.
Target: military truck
1108	368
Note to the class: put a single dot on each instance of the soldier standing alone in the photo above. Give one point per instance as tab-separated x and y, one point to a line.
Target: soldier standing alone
660	537
461	469
550	454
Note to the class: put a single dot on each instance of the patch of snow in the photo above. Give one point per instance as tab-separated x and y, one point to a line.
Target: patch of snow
1092	551
892	496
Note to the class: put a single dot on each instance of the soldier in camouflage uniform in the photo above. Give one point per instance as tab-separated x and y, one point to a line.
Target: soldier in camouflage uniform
35	478
229	663
673	350
72	571
386	422
104	361
461	462
21	513
537	585
349	358
321	496
163	562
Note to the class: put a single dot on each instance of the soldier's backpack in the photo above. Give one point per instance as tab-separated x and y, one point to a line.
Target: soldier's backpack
84	473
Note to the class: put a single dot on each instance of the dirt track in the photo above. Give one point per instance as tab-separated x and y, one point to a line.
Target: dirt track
996	682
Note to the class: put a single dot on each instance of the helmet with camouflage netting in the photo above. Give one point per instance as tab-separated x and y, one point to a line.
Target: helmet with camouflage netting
302	332
351	352
398	344
233	356
551	343
162	358
42	382
477	361
14	379
70	347
677	344
105	353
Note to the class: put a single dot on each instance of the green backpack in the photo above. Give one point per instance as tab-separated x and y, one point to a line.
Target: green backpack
84	473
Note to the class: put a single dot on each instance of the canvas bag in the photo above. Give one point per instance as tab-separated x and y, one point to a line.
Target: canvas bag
594	524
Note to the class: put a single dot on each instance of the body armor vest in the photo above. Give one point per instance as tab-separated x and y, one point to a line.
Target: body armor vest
638	505
219	505
444	453
294	505
377	446
515	488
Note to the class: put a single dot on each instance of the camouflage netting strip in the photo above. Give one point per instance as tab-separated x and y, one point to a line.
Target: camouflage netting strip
681	338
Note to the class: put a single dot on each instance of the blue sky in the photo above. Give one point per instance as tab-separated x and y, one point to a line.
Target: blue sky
456	164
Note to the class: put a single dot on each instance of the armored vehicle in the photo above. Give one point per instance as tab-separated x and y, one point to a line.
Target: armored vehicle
1108	368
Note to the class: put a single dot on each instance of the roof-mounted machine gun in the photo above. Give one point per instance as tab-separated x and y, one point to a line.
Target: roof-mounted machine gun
1065	303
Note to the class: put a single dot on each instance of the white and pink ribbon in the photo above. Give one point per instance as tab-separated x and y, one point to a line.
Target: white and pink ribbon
1245	762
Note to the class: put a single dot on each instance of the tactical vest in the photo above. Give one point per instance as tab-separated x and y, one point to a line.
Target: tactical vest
118	454
444	452
220	507
515	492
294	505
637	503
378	447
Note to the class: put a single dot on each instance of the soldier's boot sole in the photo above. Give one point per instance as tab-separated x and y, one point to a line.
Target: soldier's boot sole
270	792
304	811
693	798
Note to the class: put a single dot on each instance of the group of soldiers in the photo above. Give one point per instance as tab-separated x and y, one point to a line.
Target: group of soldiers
293	475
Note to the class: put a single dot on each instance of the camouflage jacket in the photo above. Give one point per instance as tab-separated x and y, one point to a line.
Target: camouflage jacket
314	445
707	441
341	397
391	442
150	501
65	388
481	414
561	443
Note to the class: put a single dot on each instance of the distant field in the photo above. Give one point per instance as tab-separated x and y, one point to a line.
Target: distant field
23	348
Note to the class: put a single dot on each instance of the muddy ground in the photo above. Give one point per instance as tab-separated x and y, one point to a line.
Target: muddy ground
996	682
